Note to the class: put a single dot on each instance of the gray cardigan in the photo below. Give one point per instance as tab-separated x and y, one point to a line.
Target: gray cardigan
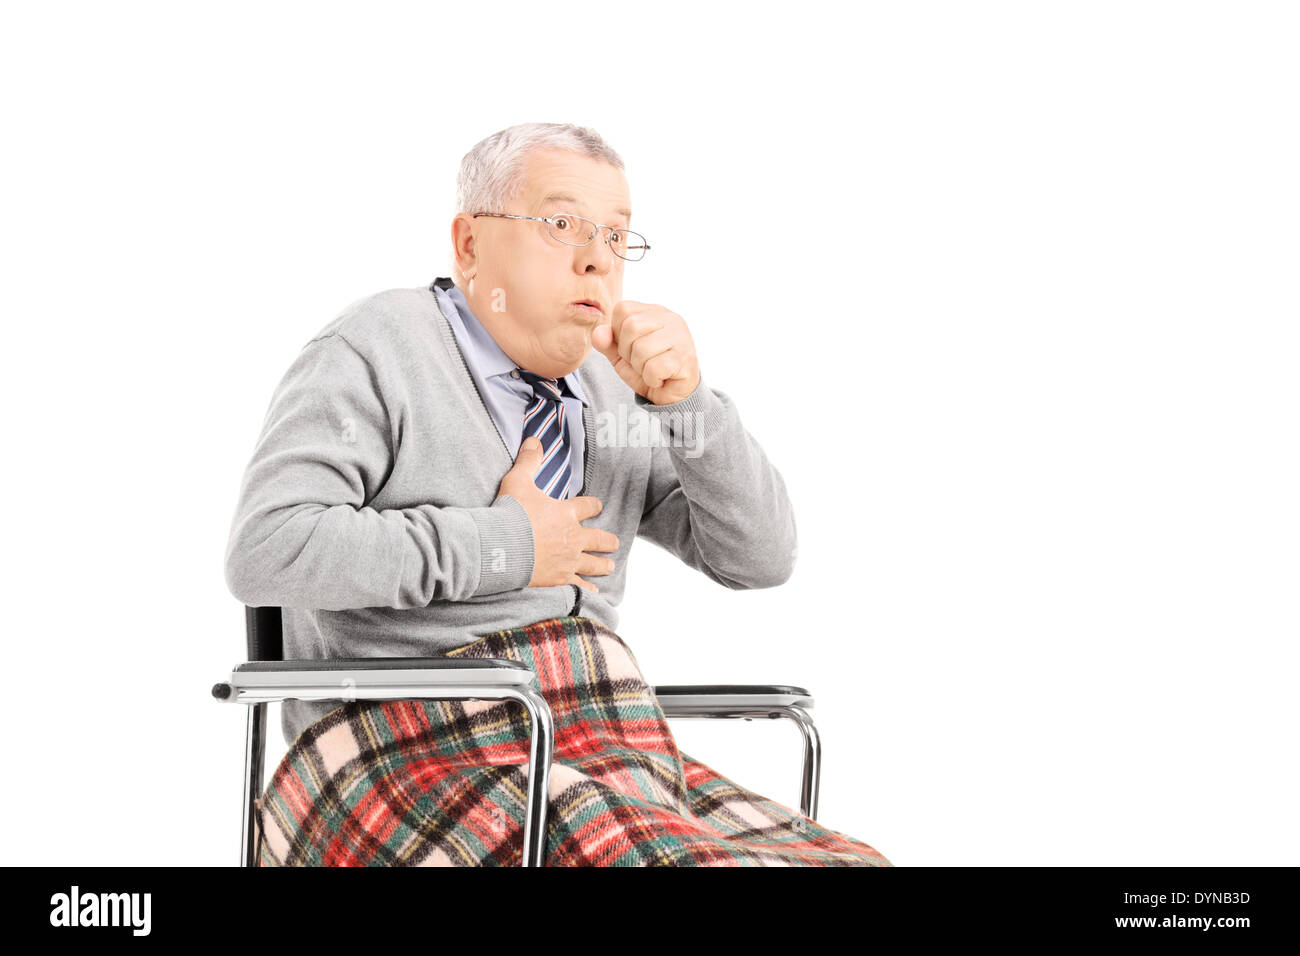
369	510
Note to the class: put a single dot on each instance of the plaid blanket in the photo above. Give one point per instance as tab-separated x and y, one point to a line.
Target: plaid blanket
443	783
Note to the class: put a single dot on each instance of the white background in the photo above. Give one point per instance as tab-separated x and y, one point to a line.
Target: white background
1007	291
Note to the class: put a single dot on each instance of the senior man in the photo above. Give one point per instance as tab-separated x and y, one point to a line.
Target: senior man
431	473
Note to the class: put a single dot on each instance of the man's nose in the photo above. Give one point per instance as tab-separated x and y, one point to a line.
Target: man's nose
596	256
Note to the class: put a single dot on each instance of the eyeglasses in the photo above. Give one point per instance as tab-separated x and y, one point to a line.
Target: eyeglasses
576	231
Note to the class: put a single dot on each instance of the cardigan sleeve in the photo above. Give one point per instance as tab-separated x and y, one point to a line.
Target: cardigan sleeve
304	535
713	498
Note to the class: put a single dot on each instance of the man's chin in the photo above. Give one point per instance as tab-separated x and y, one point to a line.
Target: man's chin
575	348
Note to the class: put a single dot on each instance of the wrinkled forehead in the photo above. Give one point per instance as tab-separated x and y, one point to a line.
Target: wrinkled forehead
561	181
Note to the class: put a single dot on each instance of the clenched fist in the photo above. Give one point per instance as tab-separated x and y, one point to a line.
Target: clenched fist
560	542
651	349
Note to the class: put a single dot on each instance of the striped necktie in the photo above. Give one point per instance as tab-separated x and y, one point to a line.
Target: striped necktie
544	418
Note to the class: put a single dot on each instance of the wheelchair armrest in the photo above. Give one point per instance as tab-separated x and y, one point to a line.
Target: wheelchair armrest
373	678
392	678
741	700
749	701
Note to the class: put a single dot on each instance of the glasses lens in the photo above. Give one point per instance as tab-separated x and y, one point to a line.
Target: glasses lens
574	230
628	244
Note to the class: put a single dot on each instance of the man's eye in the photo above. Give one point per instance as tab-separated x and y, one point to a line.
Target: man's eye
561	222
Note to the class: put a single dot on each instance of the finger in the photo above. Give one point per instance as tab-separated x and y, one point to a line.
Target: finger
662	368
530	455
594	564
574	579
598	539
622	312
603	341
586	506
648	346
634	329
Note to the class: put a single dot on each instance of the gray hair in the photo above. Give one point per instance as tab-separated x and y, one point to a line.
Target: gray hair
492	173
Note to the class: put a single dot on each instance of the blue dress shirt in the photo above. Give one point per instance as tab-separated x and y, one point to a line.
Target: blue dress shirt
506	395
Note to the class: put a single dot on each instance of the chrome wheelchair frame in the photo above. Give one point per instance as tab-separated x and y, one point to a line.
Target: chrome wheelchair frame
266	677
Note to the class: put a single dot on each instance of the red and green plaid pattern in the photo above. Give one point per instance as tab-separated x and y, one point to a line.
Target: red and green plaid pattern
443	783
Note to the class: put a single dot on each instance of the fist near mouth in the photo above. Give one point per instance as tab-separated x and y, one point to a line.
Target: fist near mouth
651	350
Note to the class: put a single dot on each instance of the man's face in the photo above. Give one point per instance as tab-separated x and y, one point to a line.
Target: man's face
526	282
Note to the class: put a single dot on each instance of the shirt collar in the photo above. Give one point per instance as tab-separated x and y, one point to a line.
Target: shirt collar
487	356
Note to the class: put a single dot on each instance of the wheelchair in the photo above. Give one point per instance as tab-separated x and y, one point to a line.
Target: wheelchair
266	677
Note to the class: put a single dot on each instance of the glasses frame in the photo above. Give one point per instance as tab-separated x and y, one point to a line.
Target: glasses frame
598	226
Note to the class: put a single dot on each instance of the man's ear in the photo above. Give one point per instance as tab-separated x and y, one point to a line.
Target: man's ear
464	244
